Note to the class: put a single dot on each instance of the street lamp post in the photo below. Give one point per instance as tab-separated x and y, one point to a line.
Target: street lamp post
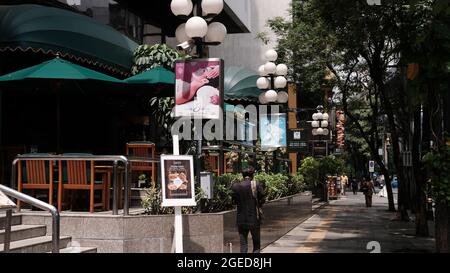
272	82
196	32
320	125
273	79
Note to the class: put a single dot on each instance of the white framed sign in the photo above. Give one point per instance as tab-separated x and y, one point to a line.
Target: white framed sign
177	173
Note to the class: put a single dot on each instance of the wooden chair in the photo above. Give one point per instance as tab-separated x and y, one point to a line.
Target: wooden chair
35	175
142	149
78	175
213	159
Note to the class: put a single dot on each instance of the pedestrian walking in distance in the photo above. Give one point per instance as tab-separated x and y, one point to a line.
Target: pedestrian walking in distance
355	186
368	189
248	195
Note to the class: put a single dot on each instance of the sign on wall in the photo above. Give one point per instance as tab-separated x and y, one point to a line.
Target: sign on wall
298	140
177	173
199	88
272	130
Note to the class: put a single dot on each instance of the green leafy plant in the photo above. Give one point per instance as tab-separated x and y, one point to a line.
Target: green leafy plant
152	203
142	177
148	57
222	199
438	164
276	185
310	169
296	184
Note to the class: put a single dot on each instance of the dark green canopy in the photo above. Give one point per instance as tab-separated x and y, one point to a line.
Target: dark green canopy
75	36
240	84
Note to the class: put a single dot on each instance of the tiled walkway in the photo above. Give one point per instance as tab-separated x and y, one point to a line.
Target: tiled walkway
347	226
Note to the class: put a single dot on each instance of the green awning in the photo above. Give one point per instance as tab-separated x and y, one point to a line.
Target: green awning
72	35
240	84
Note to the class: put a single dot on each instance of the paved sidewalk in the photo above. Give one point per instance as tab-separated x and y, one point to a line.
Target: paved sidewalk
347	226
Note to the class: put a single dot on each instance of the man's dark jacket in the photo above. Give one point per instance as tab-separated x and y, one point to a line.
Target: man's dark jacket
246	204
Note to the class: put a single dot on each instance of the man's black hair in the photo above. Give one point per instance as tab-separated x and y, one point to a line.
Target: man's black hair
248	172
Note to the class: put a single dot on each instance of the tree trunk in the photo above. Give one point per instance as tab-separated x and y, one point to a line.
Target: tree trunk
442	230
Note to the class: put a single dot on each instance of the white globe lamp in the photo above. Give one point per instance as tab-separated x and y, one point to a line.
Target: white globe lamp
212	6
262	72
325	116
324	124
314	116
319	116
326	132
196	27
271	55
262	83
262	98
270	68
315	124
181	7
280	82
216	33
271	96
180	33
282	70
320	131
283	97
314	132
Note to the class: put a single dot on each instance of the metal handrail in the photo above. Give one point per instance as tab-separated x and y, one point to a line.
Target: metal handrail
36	203
125	160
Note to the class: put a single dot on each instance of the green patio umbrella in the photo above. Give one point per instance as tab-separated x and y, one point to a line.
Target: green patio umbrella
160	79
240	84
57	69
153	76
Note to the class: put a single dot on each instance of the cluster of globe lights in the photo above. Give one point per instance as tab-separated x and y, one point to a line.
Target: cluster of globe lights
320	123
197	26
273	77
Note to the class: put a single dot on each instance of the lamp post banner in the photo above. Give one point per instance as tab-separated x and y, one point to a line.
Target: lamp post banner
199	88
273	131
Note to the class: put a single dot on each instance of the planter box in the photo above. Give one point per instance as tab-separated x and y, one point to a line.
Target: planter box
203	233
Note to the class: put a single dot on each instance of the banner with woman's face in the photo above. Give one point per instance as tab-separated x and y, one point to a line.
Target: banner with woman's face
199	88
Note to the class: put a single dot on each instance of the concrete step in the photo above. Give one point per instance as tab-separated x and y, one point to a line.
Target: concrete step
15	220
22	232
78	250
41	244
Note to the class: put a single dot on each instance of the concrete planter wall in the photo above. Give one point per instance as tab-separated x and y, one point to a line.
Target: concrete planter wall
203	233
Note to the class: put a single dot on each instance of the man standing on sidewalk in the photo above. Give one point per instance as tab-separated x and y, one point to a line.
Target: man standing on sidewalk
249	198
368	189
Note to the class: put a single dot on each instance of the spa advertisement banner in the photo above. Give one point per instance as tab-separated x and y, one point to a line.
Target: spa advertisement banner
272	131
199	88
177	180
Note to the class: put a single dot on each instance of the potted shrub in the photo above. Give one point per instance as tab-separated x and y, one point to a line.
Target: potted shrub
142	181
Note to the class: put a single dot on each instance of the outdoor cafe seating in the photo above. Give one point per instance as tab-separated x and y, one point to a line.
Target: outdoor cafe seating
35	175
144	149
60	177
80	175
64	176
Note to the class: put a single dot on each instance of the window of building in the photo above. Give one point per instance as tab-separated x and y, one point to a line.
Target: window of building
111	13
